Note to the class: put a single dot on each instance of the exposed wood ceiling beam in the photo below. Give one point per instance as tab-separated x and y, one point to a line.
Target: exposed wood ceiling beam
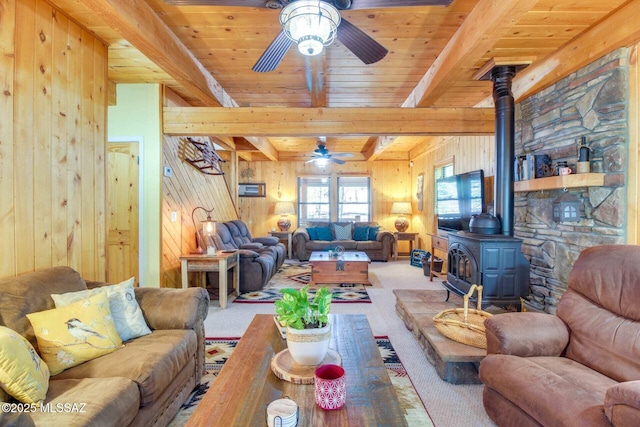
139	24
296	156
378	147
142	27
487	23
620	29
225	142
327	121
264	146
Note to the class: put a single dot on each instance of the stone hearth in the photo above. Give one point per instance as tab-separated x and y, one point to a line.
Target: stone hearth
454	362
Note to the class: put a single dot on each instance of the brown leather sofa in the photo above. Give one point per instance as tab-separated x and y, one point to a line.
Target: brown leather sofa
144	383
378	249
580	367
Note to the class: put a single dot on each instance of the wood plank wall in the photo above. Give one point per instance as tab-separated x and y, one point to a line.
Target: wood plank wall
469	153
186	189
52	142
390	181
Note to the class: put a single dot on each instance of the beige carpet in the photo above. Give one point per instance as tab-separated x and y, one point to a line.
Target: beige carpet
447	404
297	275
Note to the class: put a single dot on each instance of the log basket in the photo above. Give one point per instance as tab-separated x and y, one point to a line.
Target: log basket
464	325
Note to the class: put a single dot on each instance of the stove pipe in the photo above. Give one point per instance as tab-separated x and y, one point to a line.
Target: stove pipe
501	76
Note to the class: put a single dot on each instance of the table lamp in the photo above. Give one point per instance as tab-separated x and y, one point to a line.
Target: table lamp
401	209
284	209
208	228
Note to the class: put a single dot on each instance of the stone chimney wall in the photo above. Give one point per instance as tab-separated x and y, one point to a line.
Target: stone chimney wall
592	102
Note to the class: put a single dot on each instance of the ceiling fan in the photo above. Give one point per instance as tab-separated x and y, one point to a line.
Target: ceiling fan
324	17
321	154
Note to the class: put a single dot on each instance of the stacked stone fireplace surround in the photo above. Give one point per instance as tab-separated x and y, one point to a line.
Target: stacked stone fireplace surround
592	102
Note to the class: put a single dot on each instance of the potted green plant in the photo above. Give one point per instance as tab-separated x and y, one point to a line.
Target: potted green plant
307	322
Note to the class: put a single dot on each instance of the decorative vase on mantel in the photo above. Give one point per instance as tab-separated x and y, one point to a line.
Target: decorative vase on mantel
308	346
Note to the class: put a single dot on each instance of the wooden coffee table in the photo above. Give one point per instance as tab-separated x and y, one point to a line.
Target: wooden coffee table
349	267
246	384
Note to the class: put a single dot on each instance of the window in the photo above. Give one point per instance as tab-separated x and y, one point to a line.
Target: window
313	199
354	198
443	170
333	198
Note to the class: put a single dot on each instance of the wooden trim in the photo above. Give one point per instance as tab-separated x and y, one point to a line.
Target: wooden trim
633	175
444	162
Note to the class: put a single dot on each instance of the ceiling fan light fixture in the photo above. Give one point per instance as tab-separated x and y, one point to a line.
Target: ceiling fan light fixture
322	162
312	24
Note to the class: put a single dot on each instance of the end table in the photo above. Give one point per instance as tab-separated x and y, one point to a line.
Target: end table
405	235
220	262
284	235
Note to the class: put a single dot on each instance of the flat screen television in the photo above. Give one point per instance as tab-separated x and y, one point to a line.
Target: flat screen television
459	197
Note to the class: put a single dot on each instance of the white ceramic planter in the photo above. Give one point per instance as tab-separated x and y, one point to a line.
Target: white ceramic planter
308	346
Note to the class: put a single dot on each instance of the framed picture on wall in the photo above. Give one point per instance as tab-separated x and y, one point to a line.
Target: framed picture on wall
252	189
419	188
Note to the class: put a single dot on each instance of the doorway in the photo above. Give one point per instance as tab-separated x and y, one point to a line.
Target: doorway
123	175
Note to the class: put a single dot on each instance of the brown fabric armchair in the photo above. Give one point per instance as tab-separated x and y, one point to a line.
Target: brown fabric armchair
580	367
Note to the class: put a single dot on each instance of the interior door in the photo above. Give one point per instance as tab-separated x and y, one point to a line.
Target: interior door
122	251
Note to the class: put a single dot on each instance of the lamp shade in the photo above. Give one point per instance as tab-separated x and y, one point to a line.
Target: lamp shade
284	208
401	208
207	228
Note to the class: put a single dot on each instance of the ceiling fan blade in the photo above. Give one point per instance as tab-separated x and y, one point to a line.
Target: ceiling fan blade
357	41
271	57
338	161
248	3
379	4
342	155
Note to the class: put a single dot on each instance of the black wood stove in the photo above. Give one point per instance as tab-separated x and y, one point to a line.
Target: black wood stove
494	261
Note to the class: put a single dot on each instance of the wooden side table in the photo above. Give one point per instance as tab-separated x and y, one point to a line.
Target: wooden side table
440	244
285	235
405	235
220	262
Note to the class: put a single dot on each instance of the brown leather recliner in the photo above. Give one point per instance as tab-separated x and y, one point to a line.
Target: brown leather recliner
580	367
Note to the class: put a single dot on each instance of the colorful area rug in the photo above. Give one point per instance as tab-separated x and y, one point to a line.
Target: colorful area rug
218	351
292	275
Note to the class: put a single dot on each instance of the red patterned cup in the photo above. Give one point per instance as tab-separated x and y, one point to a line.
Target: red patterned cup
331	390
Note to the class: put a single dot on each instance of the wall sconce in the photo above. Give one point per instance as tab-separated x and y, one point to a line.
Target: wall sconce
566	208
208	227
284	209
401	209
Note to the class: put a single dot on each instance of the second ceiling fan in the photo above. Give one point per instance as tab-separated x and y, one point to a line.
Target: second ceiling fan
313	24
321	156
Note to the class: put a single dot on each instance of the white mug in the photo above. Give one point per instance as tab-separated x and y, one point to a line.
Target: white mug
564	171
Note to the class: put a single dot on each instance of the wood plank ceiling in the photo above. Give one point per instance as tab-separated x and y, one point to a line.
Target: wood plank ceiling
205	54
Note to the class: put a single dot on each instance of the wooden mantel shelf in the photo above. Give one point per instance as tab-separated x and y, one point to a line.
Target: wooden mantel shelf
563	181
